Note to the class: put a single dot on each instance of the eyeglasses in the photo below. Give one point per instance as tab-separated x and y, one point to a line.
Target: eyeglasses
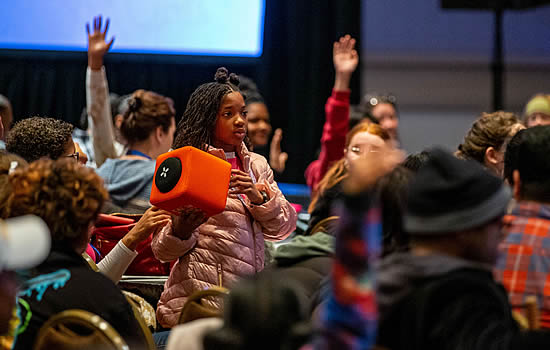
75	155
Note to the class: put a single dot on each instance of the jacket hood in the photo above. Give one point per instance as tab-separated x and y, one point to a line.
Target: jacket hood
400	273
126	179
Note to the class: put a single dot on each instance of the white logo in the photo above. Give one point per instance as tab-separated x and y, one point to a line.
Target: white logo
164	172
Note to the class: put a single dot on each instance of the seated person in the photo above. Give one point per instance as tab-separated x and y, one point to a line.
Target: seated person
441	294
6	118
523	264
486	141
149	127
35	138
537	111
68	197
364	137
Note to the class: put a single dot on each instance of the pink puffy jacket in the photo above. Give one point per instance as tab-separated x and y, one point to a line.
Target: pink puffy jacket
227	246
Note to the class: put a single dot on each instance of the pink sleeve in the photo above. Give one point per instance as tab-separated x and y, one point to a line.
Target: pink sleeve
276	216
167	247
333	139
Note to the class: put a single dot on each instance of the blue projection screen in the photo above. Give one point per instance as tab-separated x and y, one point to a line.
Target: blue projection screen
180	27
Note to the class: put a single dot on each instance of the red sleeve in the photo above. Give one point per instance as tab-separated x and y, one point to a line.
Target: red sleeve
333	139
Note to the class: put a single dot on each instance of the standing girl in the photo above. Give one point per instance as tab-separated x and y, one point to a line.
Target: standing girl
224	247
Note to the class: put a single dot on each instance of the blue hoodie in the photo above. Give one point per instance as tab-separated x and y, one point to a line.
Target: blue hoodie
129	182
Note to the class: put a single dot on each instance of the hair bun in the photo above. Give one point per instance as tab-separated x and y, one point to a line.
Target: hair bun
134	103
221	76
234	79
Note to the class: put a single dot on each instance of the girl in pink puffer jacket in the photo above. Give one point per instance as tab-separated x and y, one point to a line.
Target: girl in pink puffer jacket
221	249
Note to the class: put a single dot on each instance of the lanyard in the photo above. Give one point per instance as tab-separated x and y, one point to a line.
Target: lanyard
133	152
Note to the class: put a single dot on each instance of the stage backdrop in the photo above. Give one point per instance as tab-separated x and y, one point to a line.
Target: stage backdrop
294	70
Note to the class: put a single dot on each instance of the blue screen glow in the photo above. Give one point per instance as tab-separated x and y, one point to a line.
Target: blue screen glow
182	27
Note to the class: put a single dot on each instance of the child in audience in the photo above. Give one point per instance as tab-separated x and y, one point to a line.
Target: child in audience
68	197
486	141
337	111
364	137
6	118
537	111
383	108
148	127
220	249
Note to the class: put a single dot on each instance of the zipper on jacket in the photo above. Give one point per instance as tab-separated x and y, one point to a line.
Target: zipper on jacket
220	275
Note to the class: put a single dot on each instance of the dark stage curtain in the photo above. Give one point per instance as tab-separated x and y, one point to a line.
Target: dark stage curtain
295	74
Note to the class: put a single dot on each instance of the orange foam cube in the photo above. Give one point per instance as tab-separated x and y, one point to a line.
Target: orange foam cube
188	176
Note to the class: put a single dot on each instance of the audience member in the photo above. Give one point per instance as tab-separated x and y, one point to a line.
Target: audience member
68	197
259	127
511	156
442	293
363	138
486	141
349	316
36	137
383	108
524	262
220	249
337	112
6	119
148	127
52	138
103	111
537	111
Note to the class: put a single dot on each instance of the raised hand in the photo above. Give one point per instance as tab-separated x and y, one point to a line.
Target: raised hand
365	170
345	59
97	45
152	221
277	159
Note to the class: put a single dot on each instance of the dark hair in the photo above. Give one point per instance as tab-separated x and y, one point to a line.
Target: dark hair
373	99
533	164
489	130
147	110
250	91
114	101
5	106
65	194
37	137
511	156
197	126
416	161
261	313
392	191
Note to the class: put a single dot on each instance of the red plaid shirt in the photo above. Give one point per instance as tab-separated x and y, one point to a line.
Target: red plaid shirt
523	266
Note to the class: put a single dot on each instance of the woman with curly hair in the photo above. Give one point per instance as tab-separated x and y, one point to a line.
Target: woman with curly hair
148	126
486	141
221	249
68	197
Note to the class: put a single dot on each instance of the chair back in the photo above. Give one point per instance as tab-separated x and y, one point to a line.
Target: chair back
529	316
138	308
327	225
196	308
78	329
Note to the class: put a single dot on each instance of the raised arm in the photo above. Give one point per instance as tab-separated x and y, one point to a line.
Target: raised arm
100	121
345	59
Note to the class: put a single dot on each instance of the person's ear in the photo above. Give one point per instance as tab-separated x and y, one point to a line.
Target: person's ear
118	120
159	134
517	184
491	156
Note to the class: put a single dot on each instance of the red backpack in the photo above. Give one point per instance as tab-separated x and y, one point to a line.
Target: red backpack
109	229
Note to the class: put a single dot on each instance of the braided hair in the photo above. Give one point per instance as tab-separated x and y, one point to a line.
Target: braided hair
197	126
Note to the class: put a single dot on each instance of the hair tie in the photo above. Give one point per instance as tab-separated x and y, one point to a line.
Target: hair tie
134	104
13	166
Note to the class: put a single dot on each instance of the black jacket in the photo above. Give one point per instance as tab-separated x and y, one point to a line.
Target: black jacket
65	281
440	302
